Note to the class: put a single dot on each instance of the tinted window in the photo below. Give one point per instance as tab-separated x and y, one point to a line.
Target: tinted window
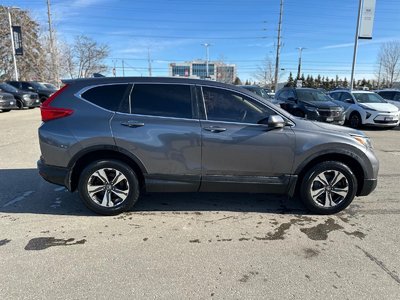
346	96
335	96
166	100
387	95
113	97
283	95
397	97
224	105
312	95
25	85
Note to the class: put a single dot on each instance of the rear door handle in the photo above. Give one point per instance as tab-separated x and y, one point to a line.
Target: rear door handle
215	129
132	124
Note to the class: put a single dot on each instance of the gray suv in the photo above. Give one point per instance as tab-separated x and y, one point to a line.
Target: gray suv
114	138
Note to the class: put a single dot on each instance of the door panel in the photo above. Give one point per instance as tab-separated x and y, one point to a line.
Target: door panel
168	148
243	156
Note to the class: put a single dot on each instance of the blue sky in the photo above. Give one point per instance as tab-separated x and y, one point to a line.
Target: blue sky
241	32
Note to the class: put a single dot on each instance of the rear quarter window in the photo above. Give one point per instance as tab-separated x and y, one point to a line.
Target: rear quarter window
114	97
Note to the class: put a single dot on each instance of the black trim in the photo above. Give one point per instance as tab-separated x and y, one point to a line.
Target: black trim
368	187
247	184
172	183
53	174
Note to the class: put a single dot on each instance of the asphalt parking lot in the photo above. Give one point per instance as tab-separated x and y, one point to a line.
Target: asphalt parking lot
191	246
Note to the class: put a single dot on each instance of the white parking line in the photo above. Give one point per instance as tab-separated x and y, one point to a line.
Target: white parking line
18	199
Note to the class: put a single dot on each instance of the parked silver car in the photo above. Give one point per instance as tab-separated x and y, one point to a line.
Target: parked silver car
114	138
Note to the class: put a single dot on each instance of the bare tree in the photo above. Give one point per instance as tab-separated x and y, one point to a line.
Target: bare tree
89	56
389	60
265	73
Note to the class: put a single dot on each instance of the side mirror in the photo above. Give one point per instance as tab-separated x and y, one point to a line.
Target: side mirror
276	121
351	101
291	99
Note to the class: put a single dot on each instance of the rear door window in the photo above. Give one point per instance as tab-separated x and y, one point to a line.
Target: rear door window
114	97
164	100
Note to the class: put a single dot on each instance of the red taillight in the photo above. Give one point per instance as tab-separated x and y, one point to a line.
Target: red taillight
50	113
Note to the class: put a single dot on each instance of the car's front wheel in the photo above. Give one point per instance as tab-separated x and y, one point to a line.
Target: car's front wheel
355	120
328	187
108	187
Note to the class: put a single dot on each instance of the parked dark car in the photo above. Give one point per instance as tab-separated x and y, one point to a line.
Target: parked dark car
391	96
23	99
262	92
7	102
114	138
33	86
311	104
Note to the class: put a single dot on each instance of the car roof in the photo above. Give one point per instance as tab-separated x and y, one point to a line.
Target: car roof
101	80
351	92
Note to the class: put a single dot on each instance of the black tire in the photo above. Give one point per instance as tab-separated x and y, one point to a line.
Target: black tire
31	107
42	99
20	105
299	113
130	187
6	110
355	120
310	183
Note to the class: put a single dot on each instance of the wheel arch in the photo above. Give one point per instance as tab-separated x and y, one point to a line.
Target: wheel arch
353	163
84	158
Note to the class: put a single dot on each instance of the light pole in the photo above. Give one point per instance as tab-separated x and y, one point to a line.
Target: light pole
355	45
12	41
207	57
299	67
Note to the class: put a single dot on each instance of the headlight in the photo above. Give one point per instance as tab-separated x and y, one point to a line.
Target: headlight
310	108
26	97
363	140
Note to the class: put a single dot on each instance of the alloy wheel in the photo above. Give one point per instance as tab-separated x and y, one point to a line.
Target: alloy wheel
108	187
329	188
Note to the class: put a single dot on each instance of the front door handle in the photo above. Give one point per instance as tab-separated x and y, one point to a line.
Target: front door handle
132	124
215	129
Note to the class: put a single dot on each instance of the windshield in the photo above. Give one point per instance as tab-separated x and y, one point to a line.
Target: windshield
38	85
259	91
368	98
312	95
49	85
8	88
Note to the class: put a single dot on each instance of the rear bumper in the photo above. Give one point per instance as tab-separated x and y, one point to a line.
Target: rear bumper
53	174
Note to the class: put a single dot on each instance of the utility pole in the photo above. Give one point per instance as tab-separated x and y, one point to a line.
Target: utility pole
12	43
114	71
278	47
379	73
123	69
53	56
355	45
299	67
207	58
149	60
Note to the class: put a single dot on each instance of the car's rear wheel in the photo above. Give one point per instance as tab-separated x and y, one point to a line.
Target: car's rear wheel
108	187
355	120
6	110
328	187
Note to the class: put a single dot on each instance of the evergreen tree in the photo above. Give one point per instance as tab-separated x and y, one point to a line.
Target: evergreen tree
290	81
237	81
345	83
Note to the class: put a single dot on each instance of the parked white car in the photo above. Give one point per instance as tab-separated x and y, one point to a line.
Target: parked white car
366	108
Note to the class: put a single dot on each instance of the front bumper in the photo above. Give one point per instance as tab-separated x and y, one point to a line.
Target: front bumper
368	187
381	119
6	104
31	102
53	174
331	117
